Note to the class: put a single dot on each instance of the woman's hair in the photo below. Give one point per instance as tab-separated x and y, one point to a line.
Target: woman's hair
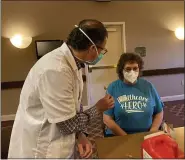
128	58
93	28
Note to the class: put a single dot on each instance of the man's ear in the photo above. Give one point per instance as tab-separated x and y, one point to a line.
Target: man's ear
92	48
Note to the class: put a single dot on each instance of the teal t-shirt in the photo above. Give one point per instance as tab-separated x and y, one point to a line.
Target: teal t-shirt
135	105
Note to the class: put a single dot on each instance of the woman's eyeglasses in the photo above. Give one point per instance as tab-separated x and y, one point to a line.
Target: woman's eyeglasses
128	69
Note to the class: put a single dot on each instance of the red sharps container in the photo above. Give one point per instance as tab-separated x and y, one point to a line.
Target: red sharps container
161	146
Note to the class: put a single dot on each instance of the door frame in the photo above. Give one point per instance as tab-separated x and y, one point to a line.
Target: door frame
123	35
123	46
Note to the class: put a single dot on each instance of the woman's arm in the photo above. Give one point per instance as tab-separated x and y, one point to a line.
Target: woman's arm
110	123
158	110
157	120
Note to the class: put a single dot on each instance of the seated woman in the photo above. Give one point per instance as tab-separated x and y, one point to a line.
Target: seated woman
138	107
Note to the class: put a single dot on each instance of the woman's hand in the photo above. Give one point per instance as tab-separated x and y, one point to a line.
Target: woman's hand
84	146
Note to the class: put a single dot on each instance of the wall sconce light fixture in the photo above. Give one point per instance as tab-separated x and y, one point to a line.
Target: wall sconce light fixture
20	41
179	33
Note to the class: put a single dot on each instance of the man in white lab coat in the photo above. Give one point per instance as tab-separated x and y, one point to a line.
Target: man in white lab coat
49	118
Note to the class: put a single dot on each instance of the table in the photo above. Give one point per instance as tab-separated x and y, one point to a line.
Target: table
129	145
179	133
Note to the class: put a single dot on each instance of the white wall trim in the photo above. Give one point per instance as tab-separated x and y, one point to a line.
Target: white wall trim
8	117
11	117
164	99
172	98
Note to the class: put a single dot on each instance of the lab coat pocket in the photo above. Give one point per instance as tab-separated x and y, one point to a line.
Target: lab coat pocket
54	149
61	148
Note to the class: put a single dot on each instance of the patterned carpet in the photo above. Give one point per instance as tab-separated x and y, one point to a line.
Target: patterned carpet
174	113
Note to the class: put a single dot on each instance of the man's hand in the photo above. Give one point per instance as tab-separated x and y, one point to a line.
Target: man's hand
84	146
105	103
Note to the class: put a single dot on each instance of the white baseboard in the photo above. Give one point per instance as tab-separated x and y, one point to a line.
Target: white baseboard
172	98
11	117
8	117
164	99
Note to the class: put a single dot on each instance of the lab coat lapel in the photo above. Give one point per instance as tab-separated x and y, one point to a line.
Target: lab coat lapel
80	83
70	59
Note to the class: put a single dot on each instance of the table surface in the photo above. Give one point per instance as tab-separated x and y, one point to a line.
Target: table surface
179	133
129	146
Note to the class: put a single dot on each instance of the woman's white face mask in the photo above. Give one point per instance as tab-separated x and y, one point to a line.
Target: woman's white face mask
131	76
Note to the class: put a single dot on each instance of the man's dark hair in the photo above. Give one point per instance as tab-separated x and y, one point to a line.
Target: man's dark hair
128	58
93	28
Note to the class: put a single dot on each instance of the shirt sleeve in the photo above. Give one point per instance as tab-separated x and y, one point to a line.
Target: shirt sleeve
56	94
74	125
92	113
79	122
158	104
110	112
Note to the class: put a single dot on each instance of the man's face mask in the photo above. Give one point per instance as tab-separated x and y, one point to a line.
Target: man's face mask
131	76
99	55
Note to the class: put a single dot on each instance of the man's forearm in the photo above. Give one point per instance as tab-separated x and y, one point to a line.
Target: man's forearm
157	120
78	123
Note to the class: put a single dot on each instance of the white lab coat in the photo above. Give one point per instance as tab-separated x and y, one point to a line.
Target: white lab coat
51	93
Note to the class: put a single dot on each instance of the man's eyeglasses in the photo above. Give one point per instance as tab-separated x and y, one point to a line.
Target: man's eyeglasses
104	50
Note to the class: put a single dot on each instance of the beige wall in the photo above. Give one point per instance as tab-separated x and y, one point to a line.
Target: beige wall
148	24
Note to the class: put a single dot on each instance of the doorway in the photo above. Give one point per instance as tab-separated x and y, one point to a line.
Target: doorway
103	73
